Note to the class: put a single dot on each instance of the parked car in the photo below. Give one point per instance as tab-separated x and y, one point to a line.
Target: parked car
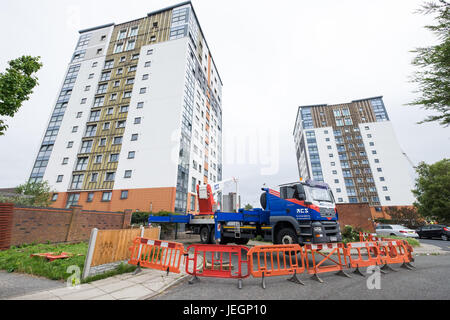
395	230
434	231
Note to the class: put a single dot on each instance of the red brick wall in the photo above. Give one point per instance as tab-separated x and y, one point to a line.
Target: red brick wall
62	225
356	215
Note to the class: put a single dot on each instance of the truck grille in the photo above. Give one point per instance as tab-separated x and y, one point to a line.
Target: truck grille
327	212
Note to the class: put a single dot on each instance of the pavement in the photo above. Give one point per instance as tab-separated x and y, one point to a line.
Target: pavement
154	284
429	281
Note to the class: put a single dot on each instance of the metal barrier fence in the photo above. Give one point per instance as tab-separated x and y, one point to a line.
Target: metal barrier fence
217	262
239	262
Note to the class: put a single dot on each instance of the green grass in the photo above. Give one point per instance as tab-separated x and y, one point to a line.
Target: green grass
17	259
413	242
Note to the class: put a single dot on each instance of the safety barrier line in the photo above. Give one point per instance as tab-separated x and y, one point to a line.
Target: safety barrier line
394	251
292	266
157	254
373	258
217	267
318	267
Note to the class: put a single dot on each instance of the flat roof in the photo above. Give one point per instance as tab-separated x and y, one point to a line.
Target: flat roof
162	10
326	105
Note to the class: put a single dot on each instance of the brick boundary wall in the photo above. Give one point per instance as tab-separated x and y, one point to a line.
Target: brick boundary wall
41	225
356	215
6	218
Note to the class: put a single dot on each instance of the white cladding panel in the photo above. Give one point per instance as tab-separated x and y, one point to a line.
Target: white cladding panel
60	151
157	149
394	165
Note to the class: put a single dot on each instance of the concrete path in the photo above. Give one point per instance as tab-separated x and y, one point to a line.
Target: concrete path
14	284
144	285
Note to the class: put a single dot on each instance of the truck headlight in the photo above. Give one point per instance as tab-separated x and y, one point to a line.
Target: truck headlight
318	229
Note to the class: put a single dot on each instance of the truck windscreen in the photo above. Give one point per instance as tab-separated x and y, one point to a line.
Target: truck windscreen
320	194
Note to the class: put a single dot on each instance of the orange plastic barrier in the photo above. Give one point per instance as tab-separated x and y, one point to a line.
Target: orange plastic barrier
395	251
217	261
156	254
364	236
277	260
369	248
317	267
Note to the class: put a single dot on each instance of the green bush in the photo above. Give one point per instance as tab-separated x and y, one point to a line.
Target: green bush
412	241
351	234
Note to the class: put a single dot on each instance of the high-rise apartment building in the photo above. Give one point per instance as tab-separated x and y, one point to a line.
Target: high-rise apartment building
137	123
353	148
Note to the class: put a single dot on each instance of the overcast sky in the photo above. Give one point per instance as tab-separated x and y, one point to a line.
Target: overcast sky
272	56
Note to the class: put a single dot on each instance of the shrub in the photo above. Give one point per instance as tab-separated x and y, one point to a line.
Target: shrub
351	234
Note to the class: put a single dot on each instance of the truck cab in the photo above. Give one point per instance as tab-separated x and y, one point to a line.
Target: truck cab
302	212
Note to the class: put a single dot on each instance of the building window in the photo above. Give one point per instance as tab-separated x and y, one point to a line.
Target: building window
60	179
127	94
65	161
81	164
143	90
147	64
86	146
90	197
83	101
99	158
128	174
130	81
135	56
107	196
119	71
134	137
388	198
102	142
140	105
123	109
137	120
94	64
131	155
109	64
110	111
149	52
120	124
381	178
72	200
94	177
145	77
110	176
114	157
106	125
132	68
91	76
79	115
193	203
118	48
55	197
131	45
117	140
385	188
77	181
124	195
69	144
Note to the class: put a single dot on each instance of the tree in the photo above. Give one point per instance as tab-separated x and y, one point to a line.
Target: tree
248	206
39	191
433	78
433	190
16	86
406	216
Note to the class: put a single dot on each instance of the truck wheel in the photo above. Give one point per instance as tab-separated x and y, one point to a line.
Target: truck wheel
287	236
242	241
204	235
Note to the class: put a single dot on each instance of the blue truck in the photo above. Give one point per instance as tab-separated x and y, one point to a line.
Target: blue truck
300	212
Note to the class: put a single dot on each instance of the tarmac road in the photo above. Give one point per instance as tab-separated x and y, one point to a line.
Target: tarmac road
431	280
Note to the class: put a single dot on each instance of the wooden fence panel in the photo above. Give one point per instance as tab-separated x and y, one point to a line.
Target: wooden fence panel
113	245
